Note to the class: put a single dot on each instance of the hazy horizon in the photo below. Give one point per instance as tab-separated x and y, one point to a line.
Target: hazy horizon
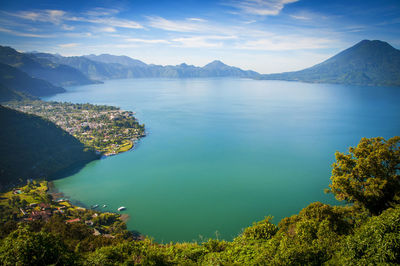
264	36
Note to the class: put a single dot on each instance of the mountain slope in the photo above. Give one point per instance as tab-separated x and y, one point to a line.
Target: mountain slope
7	94
31	147
17	80
57	74
366	63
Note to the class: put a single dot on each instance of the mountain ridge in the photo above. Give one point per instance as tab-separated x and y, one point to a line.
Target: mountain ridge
41	68
371	63
106	66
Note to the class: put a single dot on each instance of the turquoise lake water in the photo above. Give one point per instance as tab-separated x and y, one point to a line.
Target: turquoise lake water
223	153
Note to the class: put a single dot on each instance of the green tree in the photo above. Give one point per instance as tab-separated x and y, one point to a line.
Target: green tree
377	242
261	230
312	237
368	175
23	247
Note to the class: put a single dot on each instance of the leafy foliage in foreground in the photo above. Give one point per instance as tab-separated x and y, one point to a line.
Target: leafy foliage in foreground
368	175
319	234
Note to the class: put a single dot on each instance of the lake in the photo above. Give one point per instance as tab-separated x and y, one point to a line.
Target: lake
223	153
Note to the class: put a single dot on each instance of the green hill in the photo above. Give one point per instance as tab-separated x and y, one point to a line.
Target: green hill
19	81
371	63
33	147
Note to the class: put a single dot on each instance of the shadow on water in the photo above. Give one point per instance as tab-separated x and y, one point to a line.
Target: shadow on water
72	169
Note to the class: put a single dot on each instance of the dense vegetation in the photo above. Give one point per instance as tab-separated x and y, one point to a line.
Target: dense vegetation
353	234
366	63
31	146
106	129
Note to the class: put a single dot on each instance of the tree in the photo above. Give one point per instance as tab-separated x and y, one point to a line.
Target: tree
376	242
23	247
368	175
261	230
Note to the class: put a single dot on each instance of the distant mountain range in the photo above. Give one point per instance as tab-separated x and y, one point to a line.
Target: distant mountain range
374	63
57	74
39	74
105	66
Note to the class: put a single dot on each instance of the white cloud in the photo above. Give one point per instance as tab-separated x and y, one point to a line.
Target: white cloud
286	43
188	25
68	45
78	34
196	42
24	34
194	26
67	27
300	17
113	22
148	41
206	41
260	7
197	19
57	17
99	11
108	29
47	15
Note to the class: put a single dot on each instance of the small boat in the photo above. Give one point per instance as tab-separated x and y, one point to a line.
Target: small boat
121	208
104	206
95	206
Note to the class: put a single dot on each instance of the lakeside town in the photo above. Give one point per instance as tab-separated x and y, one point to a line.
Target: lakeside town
106	129
35	203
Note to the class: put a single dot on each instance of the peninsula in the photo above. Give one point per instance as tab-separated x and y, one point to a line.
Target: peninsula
106	129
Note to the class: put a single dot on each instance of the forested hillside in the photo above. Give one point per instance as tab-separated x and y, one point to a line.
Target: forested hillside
31	147
7	94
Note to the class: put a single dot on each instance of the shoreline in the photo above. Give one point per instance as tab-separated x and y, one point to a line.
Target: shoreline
58	195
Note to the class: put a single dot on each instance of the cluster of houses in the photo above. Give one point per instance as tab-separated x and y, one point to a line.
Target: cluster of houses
82	123
44	211
40	211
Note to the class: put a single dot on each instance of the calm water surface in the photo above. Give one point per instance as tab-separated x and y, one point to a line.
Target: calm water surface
222	153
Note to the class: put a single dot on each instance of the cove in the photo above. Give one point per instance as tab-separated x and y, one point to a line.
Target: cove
223	153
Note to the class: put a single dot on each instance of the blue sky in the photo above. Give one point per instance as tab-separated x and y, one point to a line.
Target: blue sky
263	35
